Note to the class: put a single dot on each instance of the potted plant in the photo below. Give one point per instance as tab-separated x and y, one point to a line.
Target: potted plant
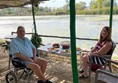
36	40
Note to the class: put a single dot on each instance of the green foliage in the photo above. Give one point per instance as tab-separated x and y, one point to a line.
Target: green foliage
102	11
36	40
93	4
96	7
106	3
2	41
99	3
81	5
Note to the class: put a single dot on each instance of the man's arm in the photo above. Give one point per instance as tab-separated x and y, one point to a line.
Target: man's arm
18	55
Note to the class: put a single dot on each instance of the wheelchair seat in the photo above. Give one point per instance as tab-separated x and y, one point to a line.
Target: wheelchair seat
17	63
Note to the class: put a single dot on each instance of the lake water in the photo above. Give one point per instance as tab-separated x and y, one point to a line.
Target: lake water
86	27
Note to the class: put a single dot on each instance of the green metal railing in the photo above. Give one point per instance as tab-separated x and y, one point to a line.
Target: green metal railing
63	37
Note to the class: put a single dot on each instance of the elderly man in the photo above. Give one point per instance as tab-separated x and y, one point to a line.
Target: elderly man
22	48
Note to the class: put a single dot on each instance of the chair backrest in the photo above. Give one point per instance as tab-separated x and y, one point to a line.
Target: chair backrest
113	46
108	56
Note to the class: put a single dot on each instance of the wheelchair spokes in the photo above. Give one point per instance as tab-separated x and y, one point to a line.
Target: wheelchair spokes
11	78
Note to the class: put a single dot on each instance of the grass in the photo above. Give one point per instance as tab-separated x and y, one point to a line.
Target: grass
115	57
2	41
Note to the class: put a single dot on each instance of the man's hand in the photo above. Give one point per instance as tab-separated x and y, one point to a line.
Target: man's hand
31	60
35	60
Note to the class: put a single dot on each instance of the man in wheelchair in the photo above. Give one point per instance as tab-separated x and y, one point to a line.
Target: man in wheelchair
22	48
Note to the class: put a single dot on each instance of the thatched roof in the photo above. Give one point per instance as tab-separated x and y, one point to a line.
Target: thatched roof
17	3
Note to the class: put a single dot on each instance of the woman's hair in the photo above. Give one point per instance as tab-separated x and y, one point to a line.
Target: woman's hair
108	38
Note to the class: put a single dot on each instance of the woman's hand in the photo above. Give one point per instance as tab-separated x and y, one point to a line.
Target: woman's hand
89	53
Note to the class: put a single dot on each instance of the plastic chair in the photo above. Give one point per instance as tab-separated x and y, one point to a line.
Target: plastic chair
103	76
101	66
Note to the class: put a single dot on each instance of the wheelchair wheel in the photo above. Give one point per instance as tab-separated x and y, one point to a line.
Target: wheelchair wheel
10	78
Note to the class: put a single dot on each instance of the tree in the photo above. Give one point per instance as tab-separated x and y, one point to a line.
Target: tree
106	3
93	4
67	4
99	3
81	5
115	3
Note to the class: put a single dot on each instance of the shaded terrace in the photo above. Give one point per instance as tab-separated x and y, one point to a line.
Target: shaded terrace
73	46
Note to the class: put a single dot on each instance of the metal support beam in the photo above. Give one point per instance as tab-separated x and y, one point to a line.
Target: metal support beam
111	15
73	41
34	22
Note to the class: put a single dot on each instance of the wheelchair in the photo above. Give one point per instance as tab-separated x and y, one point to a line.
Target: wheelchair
18	68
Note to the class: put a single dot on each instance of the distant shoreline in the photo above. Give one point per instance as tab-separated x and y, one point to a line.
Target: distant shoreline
105	17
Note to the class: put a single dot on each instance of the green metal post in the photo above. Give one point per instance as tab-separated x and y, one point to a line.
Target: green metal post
33	13
73	41
111	15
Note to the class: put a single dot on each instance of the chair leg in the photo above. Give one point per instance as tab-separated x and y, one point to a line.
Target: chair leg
110	69
21	74
28	77
89	74
9	62
90	63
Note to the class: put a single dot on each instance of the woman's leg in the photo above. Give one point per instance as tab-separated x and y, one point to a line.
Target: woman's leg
80	66
85	60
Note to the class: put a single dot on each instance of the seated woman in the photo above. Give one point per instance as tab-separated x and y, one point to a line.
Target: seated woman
103	46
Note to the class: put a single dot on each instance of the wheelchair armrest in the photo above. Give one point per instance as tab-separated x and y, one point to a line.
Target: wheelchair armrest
17	63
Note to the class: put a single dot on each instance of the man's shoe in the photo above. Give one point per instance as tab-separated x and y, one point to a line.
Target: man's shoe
40	81
47	81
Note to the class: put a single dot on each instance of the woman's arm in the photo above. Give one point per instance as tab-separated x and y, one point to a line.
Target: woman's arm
104	49
94	48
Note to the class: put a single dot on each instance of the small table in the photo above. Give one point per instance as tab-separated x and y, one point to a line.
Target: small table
44	49
59	51
10	37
